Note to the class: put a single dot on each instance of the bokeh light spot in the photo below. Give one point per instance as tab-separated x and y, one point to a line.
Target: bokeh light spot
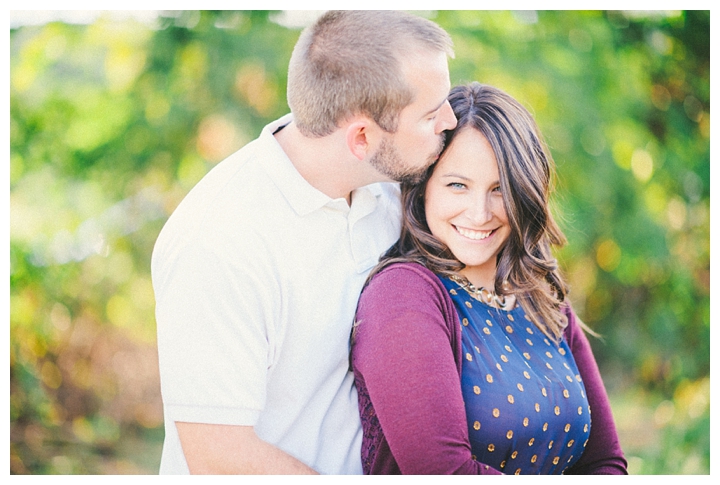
608	255
642	165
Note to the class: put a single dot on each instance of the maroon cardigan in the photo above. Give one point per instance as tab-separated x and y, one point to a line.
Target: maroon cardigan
407	361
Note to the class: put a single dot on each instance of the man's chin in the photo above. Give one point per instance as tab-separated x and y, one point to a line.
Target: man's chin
417	177
412	178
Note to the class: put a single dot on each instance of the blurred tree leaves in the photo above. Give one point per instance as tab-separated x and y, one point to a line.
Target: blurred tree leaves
113	122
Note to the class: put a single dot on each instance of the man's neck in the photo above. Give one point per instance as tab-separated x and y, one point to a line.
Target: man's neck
324	163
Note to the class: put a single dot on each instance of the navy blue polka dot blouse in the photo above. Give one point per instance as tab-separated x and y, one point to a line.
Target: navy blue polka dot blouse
526	405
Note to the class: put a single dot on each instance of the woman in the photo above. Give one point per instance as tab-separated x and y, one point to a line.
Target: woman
467	356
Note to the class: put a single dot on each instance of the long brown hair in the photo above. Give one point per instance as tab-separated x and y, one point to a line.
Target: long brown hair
526	267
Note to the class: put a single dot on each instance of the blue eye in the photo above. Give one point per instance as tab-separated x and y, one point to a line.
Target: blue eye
456	185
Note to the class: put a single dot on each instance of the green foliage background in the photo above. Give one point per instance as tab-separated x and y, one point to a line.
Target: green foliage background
113	122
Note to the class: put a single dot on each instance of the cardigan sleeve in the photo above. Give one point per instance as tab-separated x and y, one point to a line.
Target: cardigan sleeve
404	354
602	455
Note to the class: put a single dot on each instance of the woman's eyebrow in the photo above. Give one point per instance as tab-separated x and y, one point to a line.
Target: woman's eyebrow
454	175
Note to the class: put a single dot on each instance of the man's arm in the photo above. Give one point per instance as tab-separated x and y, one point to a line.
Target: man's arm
213	308
223	449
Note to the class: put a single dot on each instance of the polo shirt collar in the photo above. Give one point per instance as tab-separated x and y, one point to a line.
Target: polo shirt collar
303	197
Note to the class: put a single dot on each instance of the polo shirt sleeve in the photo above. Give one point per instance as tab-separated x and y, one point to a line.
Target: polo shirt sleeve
215	323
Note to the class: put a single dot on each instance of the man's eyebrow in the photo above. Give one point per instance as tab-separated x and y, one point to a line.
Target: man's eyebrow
436	108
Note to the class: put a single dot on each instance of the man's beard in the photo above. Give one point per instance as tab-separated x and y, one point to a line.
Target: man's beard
388	162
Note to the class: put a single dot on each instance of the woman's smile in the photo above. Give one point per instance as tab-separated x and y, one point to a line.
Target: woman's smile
475	235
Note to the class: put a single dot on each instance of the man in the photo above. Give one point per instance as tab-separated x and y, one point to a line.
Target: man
258	271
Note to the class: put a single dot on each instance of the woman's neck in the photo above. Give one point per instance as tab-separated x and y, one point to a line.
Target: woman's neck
479	279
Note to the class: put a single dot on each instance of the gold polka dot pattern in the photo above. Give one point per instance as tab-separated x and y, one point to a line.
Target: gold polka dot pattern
533	407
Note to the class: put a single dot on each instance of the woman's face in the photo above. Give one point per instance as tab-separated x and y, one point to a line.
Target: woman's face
464	205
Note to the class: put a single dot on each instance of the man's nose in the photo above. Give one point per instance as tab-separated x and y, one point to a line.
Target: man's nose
446	120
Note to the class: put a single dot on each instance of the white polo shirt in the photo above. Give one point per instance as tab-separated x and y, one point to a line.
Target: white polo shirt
256	277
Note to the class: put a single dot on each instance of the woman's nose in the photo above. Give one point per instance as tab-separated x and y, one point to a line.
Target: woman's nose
479	211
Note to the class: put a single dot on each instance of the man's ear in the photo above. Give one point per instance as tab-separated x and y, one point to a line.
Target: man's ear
361	136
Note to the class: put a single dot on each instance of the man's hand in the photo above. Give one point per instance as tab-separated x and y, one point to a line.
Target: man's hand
223	449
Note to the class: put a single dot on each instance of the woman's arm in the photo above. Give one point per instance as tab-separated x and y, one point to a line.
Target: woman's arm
403	352
602	455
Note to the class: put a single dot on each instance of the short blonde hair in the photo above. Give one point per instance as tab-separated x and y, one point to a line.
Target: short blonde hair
349	62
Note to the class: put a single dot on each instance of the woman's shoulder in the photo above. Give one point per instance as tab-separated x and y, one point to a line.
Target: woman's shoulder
405	274
410	296
412	281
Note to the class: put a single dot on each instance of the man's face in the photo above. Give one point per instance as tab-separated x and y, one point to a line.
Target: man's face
406	154
388	161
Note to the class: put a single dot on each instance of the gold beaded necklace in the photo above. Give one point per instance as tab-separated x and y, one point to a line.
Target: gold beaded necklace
484	295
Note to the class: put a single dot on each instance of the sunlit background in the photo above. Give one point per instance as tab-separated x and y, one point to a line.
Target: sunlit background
115	116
